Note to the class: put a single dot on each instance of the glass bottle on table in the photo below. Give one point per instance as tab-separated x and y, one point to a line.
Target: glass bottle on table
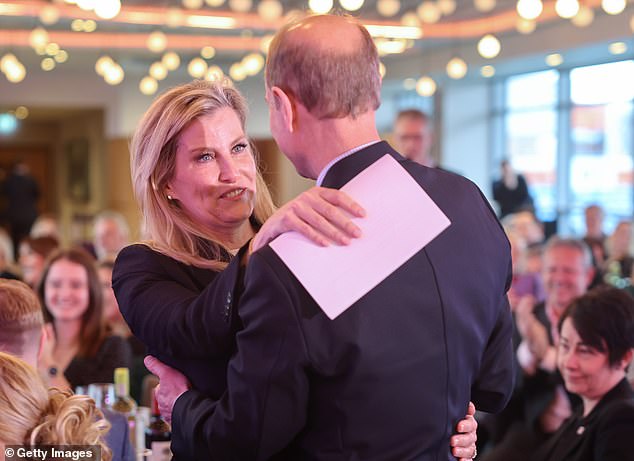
158	434
123	403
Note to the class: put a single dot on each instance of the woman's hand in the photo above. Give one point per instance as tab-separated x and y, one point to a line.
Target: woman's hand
320	214
463	444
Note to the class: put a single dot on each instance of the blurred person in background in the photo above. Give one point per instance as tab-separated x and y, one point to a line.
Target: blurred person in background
110	234
22	192
596	337
21	335
7	261
78	349
46	225
620	262
595	238
33	252
35	415
510	191
413	136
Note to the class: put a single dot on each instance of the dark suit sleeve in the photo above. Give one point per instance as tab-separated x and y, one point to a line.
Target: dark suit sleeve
614	435
265	404
166	314
493	386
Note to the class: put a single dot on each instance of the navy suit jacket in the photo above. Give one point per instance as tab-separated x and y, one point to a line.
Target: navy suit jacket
390	377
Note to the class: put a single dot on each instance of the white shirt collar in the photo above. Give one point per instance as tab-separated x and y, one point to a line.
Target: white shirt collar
322	175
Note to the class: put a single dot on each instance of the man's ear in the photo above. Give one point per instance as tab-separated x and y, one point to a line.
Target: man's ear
285	106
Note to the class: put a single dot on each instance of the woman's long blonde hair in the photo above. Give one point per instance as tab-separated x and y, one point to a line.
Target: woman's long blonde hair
34	415
152	163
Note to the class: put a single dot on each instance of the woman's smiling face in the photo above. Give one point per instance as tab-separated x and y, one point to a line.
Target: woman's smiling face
214	178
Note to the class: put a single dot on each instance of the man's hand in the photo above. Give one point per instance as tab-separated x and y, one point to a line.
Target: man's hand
172	385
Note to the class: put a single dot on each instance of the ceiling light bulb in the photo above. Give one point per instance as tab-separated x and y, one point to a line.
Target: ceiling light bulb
103	64
47	64
107	9
86	5
148	85
61	56
77	25
49	15
554	60
425	86
351	5
456	68
524	26
208	52
237	72
240	6
90	25
489	46
484	6
487	71
21	112
270	10
38	37
197	67
410	19
617	48
253	63
16	72
428	12
567	8
409	83
171	60
52	49
114	75
7	60
584	17
613	6
214	3
388	8
320	6
158	70
157	41
192	4
529	9
214	74
447	7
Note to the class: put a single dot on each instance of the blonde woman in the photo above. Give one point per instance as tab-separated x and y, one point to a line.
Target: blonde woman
34	415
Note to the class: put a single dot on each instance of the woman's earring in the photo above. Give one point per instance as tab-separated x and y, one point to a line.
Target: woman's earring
169	197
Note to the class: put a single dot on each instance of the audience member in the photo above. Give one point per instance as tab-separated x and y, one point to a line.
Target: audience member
620	260
525	283
596	337
33	252
526	225
77	350
595	239
34	415
46	225
413	136
511	191
22	192
541	403
21	330
110	234
7	260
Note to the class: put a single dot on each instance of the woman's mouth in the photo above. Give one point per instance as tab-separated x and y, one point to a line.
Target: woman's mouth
233	193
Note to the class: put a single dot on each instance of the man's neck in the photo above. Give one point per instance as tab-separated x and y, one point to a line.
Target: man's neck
328	139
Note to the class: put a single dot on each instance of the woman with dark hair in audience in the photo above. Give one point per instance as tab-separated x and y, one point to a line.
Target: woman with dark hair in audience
595	349
77	350
32	254
34	415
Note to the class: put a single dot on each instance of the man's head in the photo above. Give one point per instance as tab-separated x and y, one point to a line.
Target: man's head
567	272
413	136
320	69
111	234
21	320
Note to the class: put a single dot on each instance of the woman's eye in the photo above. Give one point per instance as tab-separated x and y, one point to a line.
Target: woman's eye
206	157
239	148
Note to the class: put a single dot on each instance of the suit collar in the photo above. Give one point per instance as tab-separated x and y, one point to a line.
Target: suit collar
348	167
